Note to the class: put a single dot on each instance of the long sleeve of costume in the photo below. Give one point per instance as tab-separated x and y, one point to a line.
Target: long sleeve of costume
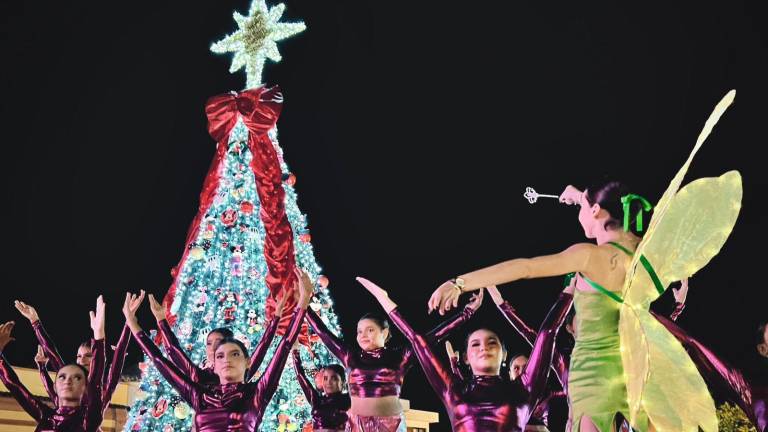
175	353
268	382
559	364
443	330
261	348
335	344
28	402
116	368
309	390
93	397
440	378
535	376
723	380
47	381
177	378
48	346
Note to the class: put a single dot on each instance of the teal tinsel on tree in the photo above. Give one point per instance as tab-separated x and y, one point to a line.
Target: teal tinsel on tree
221	281
221	284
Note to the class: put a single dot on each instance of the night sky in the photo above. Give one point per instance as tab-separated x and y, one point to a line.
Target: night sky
412	127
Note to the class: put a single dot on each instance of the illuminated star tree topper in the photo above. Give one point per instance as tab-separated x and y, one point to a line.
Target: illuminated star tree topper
256	39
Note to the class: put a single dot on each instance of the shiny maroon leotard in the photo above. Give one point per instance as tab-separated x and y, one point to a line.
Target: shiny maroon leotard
111	378
85	418
237	407
378	373
328	411
206	375
490	403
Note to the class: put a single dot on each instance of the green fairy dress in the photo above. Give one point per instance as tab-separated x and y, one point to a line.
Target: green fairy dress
624	360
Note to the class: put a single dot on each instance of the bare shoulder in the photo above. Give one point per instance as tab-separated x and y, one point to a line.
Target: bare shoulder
580	255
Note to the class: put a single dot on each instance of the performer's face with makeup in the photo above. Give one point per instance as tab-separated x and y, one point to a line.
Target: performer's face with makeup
484	352
762	348
587	216
229	363
517	367
370	336
84	356
331	381
211	343
70	384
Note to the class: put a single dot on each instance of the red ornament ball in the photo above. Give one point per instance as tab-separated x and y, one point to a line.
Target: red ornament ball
291	180
323	281
246	207
306	237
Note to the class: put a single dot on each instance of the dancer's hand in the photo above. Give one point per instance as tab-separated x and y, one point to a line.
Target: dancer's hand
571	195
381	295
445	297
280	305
681	293
495	295
130	306
97	319
5	334
476	300
451	353
40	357
305	287
157	309
28	311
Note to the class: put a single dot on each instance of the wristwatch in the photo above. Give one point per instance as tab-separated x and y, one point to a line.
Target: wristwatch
458	283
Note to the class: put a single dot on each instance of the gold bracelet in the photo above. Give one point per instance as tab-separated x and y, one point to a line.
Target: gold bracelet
459	283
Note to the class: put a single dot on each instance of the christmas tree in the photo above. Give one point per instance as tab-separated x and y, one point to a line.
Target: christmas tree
245	240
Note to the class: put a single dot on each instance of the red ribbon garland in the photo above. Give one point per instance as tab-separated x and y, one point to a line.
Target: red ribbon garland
259	109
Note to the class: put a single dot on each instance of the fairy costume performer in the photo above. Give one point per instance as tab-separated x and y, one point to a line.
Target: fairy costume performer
624	360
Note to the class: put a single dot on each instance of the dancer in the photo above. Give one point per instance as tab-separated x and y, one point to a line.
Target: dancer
624	362
233	405
48	354
206	374
78	402
329	408
376	370
488	401
760	387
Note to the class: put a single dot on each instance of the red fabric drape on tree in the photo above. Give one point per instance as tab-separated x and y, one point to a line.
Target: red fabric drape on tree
259	109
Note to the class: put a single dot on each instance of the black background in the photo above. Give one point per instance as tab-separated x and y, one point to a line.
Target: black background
413	128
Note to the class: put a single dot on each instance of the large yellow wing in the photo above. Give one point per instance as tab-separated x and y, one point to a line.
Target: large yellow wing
688	228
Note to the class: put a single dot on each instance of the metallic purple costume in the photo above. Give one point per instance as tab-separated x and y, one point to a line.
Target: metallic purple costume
380	372
490	403
206	375
110	380
237	407
540	415
328	411
85	418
